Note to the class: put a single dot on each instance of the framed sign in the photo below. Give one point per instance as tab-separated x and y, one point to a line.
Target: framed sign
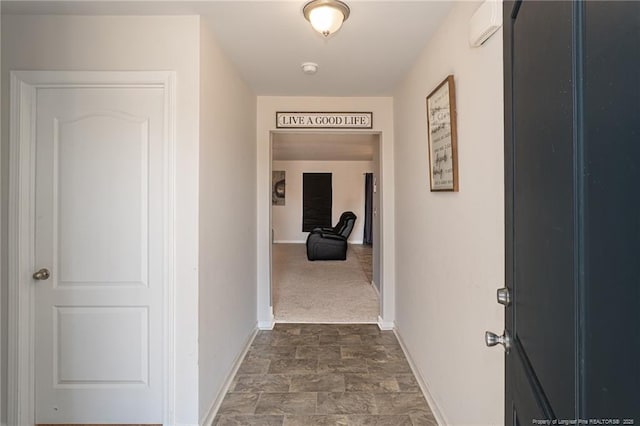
442	137
324	120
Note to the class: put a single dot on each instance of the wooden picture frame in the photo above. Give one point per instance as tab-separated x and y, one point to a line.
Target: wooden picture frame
442	137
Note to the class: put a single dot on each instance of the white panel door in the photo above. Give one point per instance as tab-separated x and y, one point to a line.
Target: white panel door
99	231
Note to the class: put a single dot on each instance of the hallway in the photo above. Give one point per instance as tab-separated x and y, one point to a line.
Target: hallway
439	256
322	374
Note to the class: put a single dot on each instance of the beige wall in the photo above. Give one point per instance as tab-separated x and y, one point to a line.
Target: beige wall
227	273
382	109
3	373
450	246
347	179
128	43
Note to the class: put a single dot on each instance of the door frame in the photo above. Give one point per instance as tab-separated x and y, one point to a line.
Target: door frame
382	109
21	326
382	291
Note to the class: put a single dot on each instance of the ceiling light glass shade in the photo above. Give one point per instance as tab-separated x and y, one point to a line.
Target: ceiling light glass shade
326	16
326	20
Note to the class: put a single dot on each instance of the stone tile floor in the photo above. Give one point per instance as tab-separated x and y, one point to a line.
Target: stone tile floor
325	374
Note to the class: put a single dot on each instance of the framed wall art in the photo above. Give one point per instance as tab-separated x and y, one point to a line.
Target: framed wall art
442	137
278	187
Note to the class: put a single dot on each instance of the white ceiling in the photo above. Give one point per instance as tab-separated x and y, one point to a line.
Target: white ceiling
375	48
324	146
269	40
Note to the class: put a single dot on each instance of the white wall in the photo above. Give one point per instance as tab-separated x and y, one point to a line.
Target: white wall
3	382
128	43
227	283
382	109
450	246
347	179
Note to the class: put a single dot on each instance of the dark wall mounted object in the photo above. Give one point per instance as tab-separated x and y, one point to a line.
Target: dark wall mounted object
317	199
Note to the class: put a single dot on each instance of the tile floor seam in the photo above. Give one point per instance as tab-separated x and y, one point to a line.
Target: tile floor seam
257	402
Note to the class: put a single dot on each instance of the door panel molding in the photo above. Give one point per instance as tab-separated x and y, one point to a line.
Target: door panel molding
523	364
21	330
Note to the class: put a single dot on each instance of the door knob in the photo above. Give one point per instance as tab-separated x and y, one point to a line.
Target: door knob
42	275
504	297
492	339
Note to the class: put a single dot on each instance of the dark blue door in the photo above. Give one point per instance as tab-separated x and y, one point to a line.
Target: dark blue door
572	182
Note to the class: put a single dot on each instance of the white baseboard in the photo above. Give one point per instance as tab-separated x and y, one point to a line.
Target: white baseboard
385	325
207	420
358	242
324	322
435	409
267	325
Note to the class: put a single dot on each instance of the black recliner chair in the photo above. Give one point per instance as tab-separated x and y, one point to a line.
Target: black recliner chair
331	243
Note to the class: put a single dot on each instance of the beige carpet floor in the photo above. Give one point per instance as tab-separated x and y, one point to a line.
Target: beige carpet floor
365	256
321	291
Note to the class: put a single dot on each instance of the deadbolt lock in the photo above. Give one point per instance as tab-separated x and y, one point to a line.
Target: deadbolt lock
504	297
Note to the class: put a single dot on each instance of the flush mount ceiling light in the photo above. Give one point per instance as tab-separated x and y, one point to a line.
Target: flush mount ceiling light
326	16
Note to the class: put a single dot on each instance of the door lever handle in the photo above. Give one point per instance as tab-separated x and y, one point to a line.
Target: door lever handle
492	339
42	275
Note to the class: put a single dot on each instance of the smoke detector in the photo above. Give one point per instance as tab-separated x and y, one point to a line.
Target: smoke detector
309	68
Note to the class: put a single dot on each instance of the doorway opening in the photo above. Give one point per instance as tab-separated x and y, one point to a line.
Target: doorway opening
325	291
